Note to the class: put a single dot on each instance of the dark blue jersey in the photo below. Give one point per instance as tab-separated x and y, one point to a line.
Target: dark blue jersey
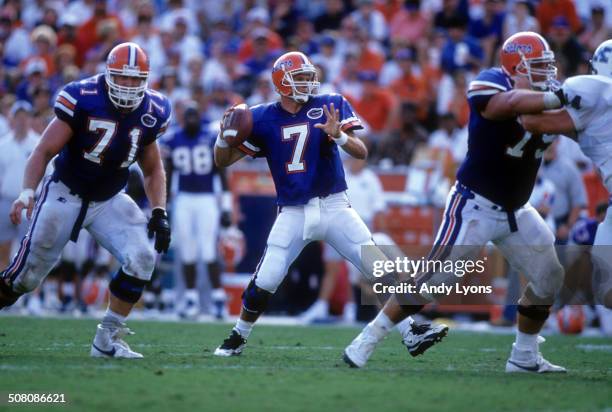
192	160
303	160
105	141
502	159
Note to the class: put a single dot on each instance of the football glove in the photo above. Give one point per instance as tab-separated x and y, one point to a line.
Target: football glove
159	227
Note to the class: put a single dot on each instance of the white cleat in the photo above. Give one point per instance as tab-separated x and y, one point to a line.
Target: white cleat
356	354
109	343
232	346
530	361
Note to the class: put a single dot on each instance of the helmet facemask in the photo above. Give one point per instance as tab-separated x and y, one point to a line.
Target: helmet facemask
312	86
549	72
126	97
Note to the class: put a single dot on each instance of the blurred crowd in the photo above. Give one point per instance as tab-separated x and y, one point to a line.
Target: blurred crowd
403	64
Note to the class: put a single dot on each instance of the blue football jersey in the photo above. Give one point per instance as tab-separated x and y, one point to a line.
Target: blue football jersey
192	160
303	160
105	141
502	160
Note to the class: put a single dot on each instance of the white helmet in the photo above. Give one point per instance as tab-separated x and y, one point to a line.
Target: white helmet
601	63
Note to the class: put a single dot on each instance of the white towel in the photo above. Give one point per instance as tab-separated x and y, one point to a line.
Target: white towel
313	229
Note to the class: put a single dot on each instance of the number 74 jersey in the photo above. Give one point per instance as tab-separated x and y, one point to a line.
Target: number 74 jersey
304	161
105	141
503	159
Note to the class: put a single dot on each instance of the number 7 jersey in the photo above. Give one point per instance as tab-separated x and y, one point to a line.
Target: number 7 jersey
105	141
304	161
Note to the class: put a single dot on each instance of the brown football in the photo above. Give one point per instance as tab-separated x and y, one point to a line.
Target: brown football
237	124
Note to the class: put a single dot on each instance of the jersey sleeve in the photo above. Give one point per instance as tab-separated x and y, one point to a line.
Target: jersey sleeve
66	105
348	119
582	97
486	85
162	111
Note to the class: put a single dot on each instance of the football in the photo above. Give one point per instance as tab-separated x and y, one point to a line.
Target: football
237	124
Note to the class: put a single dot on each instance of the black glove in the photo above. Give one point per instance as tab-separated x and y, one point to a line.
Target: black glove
160	228
226	219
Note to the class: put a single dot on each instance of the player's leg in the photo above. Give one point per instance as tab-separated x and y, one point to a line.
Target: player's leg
40	248
349	235
120	226
464	224
285	242
185	221
208	233
531	250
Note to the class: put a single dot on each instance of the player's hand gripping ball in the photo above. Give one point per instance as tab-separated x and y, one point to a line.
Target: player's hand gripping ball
237	124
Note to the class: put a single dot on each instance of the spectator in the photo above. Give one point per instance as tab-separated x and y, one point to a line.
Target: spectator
460	51
375	105
185	43
520	19
88	33
450	136
570	192
549	10
595	31
328	59
146	37
569	54
450	14
400	146
262	57
257	18
370	58
372	20
332	17
410	86
451	97
409	24
285	18
585	10
264	91
14	151
170	86
488	29
44	41
221	97
35	72
16	40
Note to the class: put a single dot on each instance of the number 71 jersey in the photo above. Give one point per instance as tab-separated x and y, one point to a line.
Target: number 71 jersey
105	141
304	161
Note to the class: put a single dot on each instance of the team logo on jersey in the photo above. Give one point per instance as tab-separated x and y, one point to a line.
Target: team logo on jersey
148	120
314	113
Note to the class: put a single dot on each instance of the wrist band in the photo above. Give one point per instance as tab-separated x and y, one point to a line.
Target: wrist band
220	142
551	101
25	196
226	201
341	141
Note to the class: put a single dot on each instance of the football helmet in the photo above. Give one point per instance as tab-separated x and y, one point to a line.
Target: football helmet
127	60
601	63
286	67
527	54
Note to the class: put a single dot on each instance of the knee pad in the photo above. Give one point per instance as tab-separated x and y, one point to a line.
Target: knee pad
127	288
534	312
273	268
549	282
141	263
255	299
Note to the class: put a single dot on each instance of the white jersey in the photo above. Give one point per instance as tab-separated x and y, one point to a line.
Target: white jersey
590	107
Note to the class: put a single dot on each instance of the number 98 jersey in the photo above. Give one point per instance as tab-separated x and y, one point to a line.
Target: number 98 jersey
304	161
105	141
192	159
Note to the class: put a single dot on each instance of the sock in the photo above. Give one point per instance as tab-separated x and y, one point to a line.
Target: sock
218	294
381	325
191	295
244	328
112	319
526	341
404	327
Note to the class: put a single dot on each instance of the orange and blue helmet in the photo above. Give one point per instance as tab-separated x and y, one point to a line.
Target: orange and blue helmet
289	65
126	60
528	54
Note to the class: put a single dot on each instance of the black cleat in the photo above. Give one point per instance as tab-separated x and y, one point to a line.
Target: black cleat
423	336
232	346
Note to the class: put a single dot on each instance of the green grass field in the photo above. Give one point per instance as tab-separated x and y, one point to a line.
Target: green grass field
291	368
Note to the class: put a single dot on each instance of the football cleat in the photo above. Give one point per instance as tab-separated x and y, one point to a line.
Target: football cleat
422	336
530	360
356	354
109	343
232	346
